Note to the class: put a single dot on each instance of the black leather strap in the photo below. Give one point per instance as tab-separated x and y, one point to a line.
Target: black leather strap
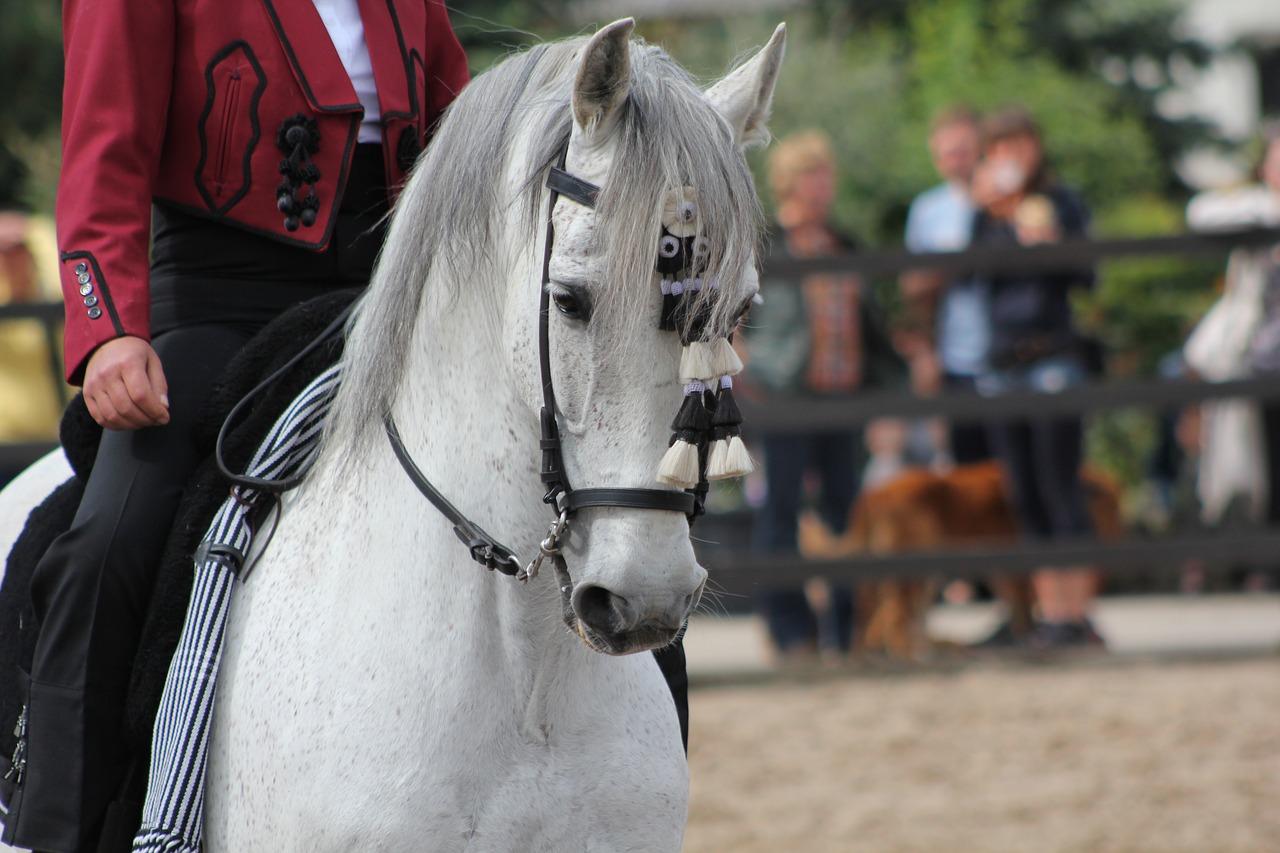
228	555
561	182
484	549
661	499
552	470
559	493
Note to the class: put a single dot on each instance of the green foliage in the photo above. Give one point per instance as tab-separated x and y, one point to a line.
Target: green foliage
1135	43
962	53
30	52
1120	442
1143	308
874	85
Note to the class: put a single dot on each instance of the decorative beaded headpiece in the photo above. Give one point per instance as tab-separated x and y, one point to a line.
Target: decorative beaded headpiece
705	443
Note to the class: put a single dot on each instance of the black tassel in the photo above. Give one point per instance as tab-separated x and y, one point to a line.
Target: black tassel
727	412
693	415
691	317
670	303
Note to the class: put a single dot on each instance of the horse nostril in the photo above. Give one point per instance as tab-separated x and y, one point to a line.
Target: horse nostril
601	609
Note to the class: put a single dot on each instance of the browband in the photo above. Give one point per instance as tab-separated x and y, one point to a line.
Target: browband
570	186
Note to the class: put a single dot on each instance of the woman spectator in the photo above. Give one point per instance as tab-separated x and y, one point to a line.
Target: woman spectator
1035	347
816	339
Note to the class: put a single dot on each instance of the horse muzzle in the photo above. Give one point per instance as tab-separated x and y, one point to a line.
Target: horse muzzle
617	625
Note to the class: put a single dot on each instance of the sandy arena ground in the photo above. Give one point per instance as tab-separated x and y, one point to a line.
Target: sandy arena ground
1108	756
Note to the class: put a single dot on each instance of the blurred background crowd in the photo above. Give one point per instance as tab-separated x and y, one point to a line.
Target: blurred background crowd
937	126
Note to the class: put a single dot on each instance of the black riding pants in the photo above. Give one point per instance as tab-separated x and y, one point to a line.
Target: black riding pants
90	593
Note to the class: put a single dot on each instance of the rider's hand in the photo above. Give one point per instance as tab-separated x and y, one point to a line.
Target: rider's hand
124	385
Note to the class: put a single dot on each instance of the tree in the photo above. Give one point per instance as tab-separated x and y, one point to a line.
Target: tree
1135	45
30	52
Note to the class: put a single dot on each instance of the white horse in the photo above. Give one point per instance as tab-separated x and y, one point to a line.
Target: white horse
379	691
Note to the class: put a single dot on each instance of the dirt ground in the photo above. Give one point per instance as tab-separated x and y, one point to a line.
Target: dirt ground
1139	756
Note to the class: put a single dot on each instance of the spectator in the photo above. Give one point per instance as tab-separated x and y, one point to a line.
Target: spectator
815	339
941	220
1239	337
1035	347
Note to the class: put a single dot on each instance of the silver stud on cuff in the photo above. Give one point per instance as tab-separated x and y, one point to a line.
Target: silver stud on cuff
82	268
95	313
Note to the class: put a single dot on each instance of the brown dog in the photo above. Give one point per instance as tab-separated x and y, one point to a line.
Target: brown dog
922	510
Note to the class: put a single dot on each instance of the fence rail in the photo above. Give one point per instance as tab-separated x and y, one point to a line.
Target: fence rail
809	414
1074	253
741	570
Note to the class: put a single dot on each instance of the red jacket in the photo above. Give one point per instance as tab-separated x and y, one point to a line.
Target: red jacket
237	110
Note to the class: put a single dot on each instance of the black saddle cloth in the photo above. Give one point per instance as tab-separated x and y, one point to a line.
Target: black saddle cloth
268	351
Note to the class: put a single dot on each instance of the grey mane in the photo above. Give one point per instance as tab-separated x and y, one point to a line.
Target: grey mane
446	218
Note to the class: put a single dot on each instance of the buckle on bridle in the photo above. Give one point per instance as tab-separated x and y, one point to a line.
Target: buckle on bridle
488	553
551	546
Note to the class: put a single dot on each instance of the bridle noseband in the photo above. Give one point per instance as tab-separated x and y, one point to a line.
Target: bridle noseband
564	500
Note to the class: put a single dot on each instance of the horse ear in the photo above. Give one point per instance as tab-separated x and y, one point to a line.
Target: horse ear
745	95
603	79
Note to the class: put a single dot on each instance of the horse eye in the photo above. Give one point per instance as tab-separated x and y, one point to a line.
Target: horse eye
567	304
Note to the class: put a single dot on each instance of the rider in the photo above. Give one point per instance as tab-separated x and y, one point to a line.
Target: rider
255	146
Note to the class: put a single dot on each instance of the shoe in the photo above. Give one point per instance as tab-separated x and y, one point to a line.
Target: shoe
1091	635
1066	635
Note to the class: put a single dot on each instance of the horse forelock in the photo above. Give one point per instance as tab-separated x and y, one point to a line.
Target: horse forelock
447	219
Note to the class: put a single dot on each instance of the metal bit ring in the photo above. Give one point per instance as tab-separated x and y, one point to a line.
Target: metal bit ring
551	546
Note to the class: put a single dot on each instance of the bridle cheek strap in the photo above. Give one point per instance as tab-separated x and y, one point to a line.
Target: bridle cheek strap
560	494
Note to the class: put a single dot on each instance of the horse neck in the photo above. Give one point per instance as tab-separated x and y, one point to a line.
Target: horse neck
474	437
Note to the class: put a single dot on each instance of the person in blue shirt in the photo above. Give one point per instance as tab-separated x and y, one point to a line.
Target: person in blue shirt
941	220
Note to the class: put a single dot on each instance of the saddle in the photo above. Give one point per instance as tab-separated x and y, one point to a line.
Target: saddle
270	350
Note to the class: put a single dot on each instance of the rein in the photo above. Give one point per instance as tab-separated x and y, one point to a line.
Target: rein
564	500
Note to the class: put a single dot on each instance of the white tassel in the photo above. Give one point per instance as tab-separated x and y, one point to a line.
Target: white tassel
679	466
724	359
696	362
717	460
737	461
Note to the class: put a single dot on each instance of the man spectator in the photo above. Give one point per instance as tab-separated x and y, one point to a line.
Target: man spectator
941	220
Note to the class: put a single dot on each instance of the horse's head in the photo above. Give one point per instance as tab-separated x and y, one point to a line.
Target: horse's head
448	338
645	134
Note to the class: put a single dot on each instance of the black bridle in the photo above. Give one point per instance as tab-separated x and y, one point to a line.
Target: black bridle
564	500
